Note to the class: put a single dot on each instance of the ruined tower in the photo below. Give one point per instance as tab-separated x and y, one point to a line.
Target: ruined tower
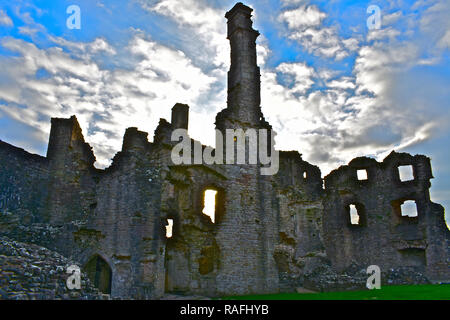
244	85
246	230
70	163
243	77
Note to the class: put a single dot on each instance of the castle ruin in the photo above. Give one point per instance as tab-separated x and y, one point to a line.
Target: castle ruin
270	233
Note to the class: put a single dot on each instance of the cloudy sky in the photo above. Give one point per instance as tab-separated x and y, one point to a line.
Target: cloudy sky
332	88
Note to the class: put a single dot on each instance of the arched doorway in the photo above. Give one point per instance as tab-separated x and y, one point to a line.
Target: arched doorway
100	273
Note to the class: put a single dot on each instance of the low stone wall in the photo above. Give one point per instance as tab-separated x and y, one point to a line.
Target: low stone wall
31	272
324	279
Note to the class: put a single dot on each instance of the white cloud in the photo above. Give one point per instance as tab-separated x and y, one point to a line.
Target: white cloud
375	62
105	102
31	27
435	22
370	112
5	20
305	25
321	41
203	25
29	31
85	48
304	16
444	42
301	73
388	19
379	34
342	83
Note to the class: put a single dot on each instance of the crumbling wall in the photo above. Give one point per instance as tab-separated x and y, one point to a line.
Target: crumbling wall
233	255
23	196
31	272
300	249
23	189
133	199
193	256
383	236
82	212
125	227
72	176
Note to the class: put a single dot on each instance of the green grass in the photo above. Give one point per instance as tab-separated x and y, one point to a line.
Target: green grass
412	292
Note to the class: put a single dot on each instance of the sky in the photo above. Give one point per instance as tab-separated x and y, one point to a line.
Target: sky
334	84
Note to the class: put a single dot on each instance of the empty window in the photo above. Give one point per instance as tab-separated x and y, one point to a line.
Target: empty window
210	204
354	216
362	174
406	173
169	228
409	209
100	273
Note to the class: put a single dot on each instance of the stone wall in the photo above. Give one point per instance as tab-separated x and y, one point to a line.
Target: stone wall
384	237
23	180
72	176
193	256
125	227
298	197
31	272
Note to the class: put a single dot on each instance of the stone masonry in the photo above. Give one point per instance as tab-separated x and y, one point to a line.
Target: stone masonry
272	233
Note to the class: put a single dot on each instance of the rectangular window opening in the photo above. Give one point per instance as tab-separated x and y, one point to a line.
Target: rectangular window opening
406	173
169	228
210	204
362	174
354	216
409	209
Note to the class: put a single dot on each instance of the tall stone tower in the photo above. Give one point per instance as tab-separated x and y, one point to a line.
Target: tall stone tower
247	229
244	85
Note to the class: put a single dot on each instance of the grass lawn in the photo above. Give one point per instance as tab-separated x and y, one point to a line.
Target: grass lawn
412	292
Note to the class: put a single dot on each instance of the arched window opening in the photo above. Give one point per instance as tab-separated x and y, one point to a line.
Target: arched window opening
100	274
209	208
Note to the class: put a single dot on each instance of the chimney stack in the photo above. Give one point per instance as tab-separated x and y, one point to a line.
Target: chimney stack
180	116
244	75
